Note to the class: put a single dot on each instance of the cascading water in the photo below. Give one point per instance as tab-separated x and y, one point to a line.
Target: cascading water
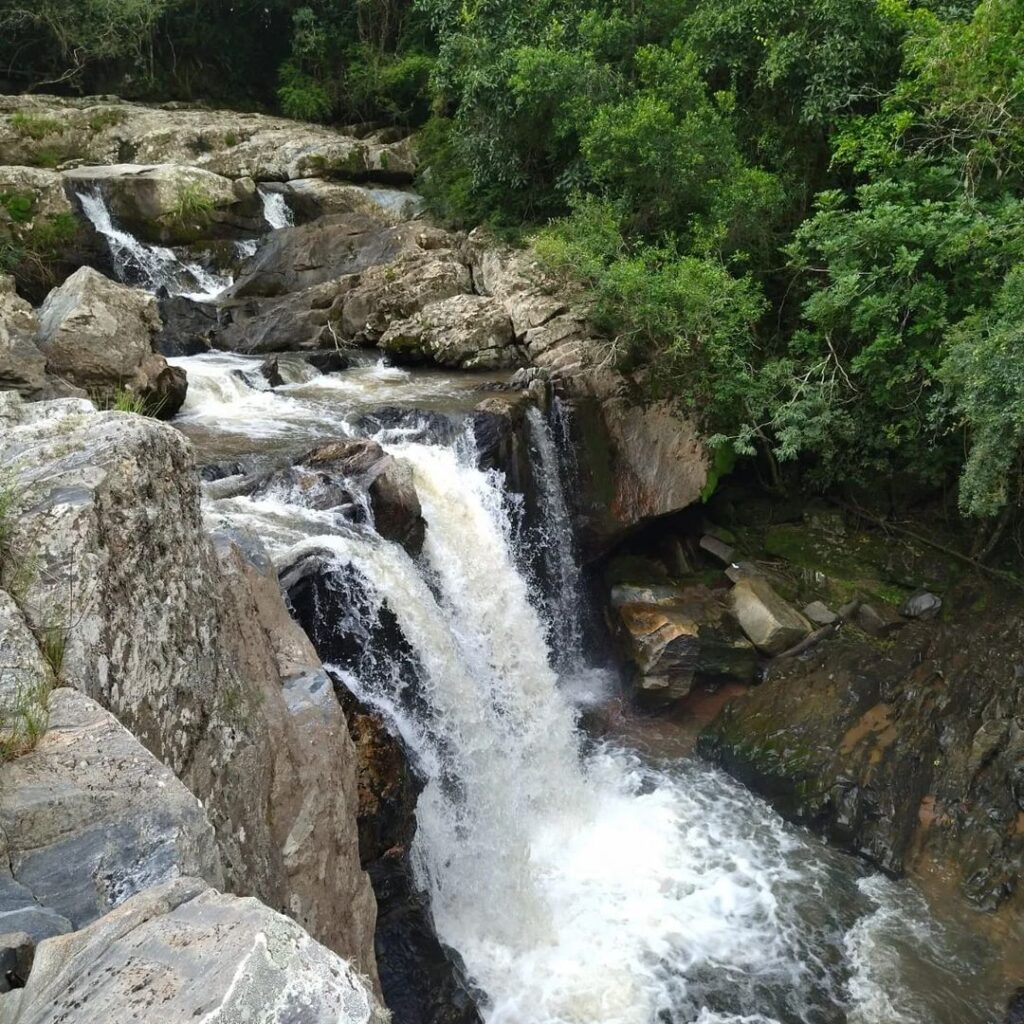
276	211
153	267
580	882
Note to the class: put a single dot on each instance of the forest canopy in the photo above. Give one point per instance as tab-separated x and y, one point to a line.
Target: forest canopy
801	219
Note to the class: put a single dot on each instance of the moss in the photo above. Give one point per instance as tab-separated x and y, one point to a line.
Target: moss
107	117
19	206
34	126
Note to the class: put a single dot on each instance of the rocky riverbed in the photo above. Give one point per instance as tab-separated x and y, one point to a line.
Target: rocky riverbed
291	683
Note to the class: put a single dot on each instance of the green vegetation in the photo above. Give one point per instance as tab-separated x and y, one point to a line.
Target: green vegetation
32	247
802	220
32	126
107	117
192	207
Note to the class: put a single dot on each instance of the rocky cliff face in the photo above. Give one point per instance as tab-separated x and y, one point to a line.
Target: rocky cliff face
193	653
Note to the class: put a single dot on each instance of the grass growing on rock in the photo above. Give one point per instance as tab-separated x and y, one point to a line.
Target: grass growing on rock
24	721
107	117
193	207
35	126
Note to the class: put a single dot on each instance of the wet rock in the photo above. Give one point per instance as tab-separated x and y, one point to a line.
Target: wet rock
182	951
820	614
1015	1008
878	619
334	475
17	952
922	605
187	327
270	371
675	635
908	754
170	203
771	624
328	360
99	334
465	331
165	389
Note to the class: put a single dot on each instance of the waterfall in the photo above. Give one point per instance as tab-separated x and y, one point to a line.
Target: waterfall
276	211
580	882
151	266
557	544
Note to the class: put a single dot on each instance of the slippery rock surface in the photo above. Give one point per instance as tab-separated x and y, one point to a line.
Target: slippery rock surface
88	818
910	753
183	654
170	203
101	130
182	952
99	334
469	332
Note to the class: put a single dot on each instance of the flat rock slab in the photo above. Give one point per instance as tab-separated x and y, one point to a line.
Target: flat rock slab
182	953
89	818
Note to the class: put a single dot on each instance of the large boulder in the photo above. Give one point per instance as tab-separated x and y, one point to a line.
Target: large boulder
88	818
772	624
469	332
183	649
41	187
99	334
22	364
184	952
170	203
677	634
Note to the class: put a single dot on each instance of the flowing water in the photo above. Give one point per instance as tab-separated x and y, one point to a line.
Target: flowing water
276	211
581	882
152	267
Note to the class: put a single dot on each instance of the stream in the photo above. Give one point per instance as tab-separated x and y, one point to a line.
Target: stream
581	881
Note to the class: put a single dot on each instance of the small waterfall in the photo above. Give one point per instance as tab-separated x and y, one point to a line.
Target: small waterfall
151	266
276	211
557	543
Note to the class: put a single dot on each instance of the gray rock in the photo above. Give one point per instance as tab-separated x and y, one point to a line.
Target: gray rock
184	952
820	614
878	619
168	202
741	571
91	817
175	643
770	622
468	332
922	605
22	364
717	549
25	677
99	334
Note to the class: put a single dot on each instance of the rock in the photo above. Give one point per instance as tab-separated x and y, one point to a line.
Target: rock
1015	1008
469	332
675	634
878	619
96	130
270	371
184	952
328	361
332	476
91	817
296	258
182	647
25	676
187	327
43	187
922	605
819	614
22	364
771	624
17	951
717	548
99	334
908	754
741	571
384	294
169	203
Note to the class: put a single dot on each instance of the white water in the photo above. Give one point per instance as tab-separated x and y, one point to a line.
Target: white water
276	211
151	266
582	884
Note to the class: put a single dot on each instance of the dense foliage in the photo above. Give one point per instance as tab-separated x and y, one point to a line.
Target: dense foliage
802	219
